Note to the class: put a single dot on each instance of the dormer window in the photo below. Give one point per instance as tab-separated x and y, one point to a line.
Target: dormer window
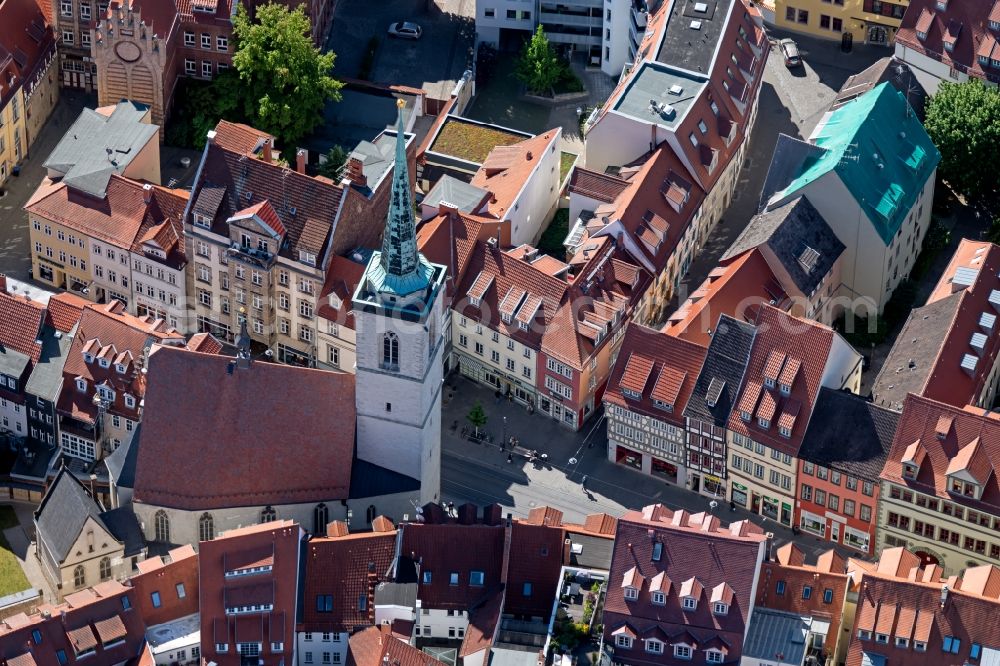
942	5
785	389
682	651
719	608
882	639
623	641
713	656
120	369
523	325
202	221
659	404
129	401
106	393
629	393
689	603
995	25
949	45
88	357
910	471
81	384
764	423
769	382
631	593
308	258
921	35
745	416
104	363
654	646
659	599
657	551
864	635
964	488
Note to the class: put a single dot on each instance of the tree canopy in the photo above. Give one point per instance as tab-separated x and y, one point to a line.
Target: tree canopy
963	120
539	67
285	80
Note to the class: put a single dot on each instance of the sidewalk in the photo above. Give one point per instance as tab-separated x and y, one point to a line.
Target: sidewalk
24	549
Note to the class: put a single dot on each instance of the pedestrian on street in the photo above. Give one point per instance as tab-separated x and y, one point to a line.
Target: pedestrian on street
583	482
510	458
732	505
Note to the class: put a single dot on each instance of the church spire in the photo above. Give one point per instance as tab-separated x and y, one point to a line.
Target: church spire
399	244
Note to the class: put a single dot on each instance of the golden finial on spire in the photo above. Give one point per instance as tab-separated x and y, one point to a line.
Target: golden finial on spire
400	103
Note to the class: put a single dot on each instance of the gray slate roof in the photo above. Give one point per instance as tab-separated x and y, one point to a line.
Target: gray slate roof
124	527
46	377
451	190
915	351
64	511
96	146
887	70
788	231
786	163
121	462
726	360
774	632
12	362
849	433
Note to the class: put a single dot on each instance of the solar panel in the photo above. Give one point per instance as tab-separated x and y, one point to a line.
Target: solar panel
987	321
808	259
978	340
969	362
995	298
965	276
714	391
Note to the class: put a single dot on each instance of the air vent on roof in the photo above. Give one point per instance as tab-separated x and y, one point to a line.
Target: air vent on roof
292	211
987	321
696	25
676	89
969	363
808	259
978	342
995	299
249	196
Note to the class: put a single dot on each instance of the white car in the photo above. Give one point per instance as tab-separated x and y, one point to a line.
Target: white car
405	30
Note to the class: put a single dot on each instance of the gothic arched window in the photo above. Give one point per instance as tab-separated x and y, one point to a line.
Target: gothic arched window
268	514
105	568
390	351
206	527
162	527
79	576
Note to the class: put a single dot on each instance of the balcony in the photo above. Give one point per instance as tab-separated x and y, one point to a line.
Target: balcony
252	256
552	21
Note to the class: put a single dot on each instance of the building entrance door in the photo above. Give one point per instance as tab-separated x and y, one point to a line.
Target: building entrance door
835	532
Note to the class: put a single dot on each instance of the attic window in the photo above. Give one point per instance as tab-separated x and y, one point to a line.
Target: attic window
120	369
629	393
689	603
720	608
667	407
88	357
784	432
659	599
657	551
785	389
910	471
104	363
745	416
764	423
631	593
307	258
81	384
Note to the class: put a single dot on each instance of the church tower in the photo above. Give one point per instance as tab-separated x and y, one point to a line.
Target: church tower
399	310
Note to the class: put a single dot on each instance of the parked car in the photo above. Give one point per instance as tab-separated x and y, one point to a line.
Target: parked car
405	30
790	51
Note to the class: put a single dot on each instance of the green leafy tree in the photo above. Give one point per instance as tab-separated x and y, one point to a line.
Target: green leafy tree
285	80
963	120
336	157
477	417
538	67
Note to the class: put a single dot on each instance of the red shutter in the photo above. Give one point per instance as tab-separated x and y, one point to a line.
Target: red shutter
868	5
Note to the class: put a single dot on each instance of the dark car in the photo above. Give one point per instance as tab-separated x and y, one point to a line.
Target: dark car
405	30
790	52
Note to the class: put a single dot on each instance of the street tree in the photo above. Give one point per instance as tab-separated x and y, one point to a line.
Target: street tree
336	157
286	81
539	67
477	417
963	120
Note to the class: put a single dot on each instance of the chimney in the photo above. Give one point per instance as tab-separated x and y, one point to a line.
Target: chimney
944	595
508	531
355	171
265	151
567	550
768	545
3	283
147	193
301	157
210	136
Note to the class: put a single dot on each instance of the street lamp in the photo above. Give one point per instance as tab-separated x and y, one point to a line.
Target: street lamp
503	437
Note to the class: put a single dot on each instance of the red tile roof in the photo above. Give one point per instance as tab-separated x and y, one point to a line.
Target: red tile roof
507	169
794	574
164	575
109	332
910	604
965	22
698	554
347	567
64	311
21	321
342	278
26	45
193	395
595	185
805	344
376	646
535	558
674	368
205	343
973	440
454	549
277	586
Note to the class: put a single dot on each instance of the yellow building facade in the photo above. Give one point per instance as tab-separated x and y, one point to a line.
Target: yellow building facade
59	255
866	21
12	134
